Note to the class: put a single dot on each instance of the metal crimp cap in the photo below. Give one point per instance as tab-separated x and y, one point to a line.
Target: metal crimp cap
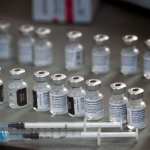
41	75
93	84
76	81
17	73
147	42
26	29
42	32
100	38
118	87
129	39
74	35
135	93
58	78
4	25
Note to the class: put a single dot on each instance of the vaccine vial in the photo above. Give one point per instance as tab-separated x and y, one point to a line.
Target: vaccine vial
58	95
100	55
94	103
25	44
74	52
42	49
76	97
5	41
41	91
17	89
147	60
136	108
129	56
118	103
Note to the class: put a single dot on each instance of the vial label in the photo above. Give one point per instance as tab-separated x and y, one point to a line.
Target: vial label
71	108
74	59
25	52
5	48
1	94
76	105
34	99
136	118
94	109
129	63
147	66
43	56
12	97
41	100
22	97
118	112
100	63
58	103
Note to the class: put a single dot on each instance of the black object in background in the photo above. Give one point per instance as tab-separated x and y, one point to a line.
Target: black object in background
4	147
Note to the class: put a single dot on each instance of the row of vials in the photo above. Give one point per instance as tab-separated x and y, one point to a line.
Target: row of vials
75	100
34	47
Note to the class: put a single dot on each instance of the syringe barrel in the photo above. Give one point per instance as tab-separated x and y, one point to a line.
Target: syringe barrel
71	125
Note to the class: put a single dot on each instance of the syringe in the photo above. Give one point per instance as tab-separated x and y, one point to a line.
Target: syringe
7	136
61	125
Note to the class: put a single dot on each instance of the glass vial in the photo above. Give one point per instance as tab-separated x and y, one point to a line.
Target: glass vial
5	41
17	89
76	97
136	108
25	44
100	55
147	60
41	91
94	103
129	56
118	103
58	95
74	52
42	49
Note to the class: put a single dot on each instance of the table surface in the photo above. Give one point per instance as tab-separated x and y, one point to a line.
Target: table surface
116	22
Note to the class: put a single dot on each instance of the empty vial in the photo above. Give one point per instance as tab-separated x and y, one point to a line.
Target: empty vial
25	44
94	103
58	95
100	55
147	60
5	41
42	49
136	108
17	89
74	52
118	103
41	91
129	56
76	97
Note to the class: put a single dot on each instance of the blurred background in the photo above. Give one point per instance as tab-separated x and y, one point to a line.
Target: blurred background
81	11
113	17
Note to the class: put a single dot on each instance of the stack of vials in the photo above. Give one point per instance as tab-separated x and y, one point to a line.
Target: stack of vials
81	97
88	103
34	47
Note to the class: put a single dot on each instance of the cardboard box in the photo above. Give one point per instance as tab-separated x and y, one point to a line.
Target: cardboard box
70	11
